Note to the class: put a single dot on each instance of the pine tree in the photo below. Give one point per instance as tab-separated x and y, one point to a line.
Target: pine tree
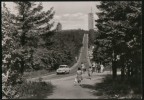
10	72
118	24
23	35
34	26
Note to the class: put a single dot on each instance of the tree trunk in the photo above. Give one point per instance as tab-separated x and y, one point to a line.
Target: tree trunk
114	65
114	69
128	72
122	73
31	60
22	62
122	64
22	66
132	71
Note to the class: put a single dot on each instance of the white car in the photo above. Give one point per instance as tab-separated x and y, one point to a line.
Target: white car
63	69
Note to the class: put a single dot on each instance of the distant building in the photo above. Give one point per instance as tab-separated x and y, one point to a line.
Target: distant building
90	21
59	27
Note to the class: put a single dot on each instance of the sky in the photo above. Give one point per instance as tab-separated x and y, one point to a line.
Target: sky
72	15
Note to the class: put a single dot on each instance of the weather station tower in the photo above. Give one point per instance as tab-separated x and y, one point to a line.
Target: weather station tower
90	20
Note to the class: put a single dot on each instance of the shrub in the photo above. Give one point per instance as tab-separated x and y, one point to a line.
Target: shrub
128	88
34	90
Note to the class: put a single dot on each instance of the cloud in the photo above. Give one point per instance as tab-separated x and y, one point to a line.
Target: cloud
70	14
57	17
66	15
72	21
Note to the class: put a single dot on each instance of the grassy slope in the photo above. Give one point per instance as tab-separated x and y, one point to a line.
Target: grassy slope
34	90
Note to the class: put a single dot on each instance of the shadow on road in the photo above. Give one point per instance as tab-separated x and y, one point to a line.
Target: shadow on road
115	89
87	86
93	89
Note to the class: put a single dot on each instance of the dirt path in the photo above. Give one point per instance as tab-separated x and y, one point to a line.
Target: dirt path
66	89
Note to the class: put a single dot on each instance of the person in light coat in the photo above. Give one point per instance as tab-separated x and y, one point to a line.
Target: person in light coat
90	72
78	78
102	67
83	68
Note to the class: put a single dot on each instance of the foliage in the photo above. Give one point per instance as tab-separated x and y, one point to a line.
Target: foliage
28	42
22	34
127	89
34	26
63	50
66	46
10	71
37	73
92	35
33	90
119	26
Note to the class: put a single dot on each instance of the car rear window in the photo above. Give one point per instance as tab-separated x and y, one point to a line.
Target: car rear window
63	67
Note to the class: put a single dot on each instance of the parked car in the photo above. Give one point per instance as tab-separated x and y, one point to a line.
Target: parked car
63	69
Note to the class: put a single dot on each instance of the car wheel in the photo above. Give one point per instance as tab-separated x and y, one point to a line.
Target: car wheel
68	72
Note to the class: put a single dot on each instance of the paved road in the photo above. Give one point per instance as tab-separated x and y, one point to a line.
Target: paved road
64	84
66	89
83	57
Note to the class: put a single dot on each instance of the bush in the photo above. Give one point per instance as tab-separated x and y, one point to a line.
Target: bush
34	90
128	88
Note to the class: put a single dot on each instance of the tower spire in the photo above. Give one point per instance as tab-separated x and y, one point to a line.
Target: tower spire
90	20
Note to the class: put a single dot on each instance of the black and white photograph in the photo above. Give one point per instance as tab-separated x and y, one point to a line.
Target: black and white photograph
71	49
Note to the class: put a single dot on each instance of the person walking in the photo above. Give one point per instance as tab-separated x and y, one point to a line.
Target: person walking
93	67
83	68
96	67
90	72
102	68
79	76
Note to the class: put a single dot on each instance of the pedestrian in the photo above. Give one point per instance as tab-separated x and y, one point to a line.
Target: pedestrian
75	81
83	68
93	67
79	76
90	72
96	67
102	67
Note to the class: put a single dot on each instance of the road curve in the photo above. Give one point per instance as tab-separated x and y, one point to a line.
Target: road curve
83	57
65	87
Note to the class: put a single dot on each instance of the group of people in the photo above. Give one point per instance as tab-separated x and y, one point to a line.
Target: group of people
94	68
98	67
